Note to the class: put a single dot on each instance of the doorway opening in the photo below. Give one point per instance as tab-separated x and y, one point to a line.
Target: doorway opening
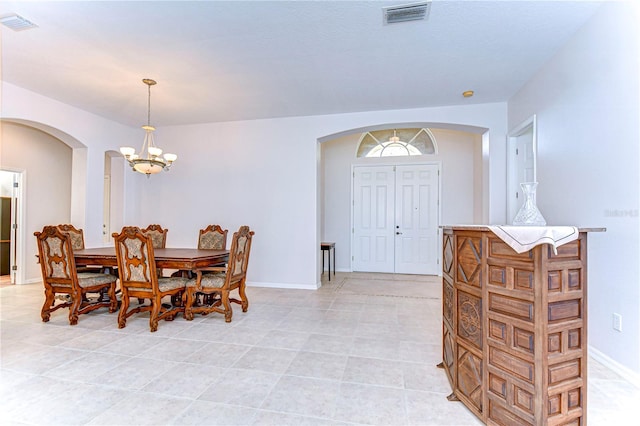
11	206
462	154
521	163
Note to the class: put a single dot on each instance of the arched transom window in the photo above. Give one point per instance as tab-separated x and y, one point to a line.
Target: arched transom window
397	143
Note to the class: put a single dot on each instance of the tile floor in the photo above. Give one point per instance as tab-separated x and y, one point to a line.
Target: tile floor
360	350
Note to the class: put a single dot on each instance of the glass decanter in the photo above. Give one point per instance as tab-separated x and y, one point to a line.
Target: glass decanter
529	213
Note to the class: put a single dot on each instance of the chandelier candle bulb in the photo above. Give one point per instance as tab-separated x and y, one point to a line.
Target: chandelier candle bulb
127	151
154	151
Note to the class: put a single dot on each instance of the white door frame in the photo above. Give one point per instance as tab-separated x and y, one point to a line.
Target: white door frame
513	186
403	163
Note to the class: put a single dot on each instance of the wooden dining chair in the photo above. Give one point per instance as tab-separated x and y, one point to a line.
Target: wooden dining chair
139	278
60	276
213	237
222	280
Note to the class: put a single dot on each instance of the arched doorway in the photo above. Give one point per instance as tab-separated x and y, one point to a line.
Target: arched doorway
465	192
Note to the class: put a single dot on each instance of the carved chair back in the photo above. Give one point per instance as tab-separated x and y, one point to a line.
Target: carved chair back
77	235
157	234
213	237
239	255
136	262
56	259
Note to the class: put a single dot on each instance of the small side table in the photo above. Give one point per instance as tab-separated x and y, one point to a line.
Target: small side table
327	247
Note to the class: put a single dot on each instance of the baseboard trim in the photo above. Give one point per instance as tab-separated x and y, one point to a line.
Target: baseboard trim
625	372
31	281
282	285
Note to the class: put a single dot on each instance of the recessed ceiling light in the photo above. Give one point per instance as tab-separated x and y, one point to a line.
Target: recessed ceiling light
467	94
17	22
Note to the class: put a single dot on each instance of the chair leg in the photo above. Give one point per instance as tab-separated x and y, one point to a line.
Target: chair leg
243	297
156	304
113	305
75	307
188	304
228	313
49	298
122	316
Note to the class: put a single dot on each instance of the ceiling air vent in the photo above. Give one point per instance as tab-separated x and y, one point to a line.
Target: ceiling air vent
406	12
17	22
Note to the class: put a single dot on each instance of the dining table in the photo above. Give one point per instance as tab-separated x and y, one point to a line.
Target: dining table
185	259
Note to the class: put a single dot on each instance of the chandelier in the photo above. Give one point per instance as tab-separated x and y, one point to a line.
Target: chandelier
150	159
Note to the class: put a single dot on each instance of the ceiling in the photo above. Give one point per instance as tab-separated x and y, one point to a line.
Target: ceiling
237	60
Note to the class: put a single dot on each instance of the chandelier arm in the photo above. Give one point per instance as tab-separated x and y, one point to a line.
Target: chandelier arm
145	146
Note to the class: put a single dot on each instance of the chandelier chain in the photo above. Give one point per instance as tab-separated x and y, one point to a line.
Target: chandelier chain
149	105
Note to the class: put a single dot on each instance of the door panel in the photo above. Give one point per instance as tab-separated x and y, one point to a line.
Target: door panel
417	189
373	237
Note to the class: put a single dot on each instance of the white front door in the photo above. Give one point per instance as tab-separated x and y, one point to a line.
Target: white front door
373	232
417	219
395	219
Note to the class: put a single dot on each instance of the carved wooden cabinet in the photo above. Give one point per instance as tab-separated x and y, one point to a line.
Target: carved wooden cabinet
515	328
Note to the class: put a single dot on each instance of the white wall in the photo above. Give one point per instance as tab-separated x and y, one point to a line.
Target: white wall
586	103
47	179
460	156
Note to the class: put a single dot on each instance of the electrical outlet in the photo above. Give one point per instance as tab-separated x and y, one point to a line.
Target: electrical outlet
617	322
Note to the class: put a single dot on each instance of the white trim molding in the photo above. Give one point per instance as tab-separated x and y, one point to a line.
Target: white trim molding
282	285
626	373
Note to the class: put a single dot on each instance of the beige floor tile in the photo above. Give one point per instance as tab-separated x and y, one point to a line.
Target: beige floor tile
271	360
304	396
142	408
362	349
318	365
371	405
218	354
246	388
213	413
380	372
428	408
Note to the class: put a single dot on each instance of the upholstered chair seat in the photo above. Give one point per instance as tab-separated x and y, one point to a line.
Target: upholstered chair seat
89	279
211	280
167	284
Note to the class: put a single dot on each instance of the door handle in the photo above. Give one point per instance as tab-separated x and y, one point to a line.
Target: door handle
398	233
